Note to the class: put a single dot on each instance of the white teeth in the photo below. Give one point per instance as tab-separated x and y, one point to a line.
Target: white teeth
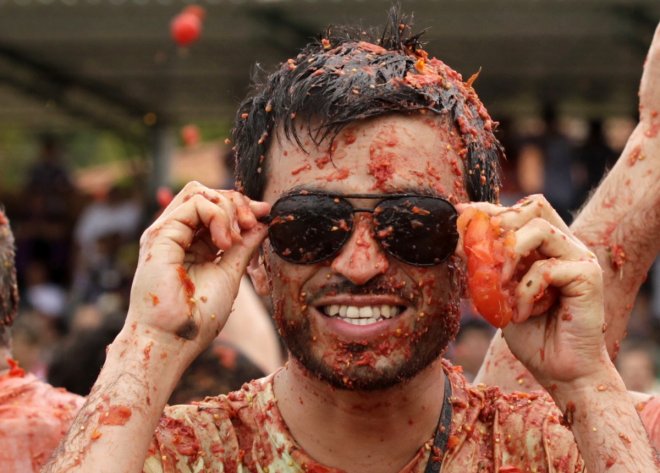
352	312
363	315
365	312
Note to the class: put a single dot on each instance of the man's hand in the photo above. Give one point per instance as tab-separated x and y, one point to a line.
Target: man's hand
564	347
565	343
191	261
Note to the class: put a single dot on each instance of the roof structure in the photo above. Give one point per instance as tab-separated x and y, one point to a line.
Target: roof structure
112	64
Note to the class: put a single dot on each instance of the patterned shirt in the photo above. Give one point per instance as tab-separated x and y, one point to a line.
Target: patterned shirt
34	417
245	432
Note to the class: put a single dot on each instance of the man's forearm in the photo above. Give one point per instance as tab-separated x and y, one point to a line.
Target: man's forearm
113	430
626	241
606	426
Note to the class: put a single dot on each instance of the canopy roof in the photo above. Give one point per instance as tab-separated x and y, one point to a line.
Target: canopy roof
112	63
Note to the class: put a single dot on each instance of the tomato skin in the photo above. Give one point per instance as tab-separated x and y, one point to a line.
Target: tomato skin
485	250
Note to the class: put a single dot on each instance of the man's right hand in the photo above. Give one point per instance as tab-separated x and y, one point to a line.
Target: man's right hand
191	262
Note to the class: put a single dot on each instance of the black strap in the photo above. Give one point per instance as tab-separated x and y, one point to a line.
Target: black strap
441	434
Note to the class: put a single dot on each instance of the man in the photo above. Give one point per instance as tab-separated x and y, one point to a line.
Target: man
620	224
363	154
34	416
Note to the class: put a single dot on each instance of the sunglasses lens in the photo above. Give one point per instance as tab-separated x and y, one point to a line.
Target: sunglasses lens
306	229
417	230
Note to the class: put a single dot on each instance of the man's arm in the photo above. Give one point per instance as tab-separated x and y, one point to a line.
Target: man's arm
620	224
181	297
564	347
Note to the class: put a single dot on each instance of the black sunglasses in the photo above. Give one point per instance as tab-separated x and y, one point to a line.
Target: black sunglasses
309	227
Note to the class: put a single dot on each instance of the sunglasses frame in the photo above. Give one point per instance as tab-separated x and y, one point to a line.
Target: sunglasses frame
267	219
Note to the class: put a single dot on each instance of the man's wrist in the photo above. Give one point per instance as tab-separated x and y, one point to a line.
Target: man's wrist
604	381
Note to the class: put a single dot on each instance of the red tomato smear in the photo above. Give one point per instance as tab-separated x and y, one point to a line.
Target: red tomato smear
635	155
115	415
147	351
372	48
322	161
154	299
339	175
304	167
188	285
15	371
653	130
380	165
617	256
3	219
180	435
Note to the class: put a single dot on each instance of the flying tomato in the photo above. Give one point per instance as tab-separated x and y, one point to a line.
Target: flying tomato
186	28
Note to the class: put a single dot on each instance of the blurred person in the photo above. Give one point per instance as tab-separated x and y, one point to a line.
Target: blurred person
34	416
593	157
220	369
637	364
545	165
44	224
471	345
369	395
105	229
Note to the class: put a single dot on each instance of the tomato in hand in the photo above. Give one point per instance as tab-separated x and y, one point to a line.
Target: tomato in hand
485	248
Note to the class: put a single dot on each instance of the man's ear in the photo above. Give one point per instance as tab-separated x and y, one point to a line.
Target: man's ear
257	272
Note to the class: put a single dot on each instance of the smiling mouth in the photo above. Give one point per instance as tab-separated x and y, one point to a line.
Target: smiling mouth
362	315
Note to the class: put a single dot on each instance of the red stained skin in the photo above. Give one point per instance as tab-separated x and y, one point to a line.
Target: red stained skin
617	256
304	167
322	161
3	219
635	155
115	415
188	285
338	175
154	299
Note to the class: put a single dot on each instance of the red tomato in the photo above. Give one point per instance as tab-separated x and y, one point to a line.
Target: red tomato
486	246
485	249
190	135
186	28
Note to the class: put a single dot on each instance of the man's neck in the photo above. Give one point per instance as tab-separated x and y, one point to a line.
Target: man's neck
367	431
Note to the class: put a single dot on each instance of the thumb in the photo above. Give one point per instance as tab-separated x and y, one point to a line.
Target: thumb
235	260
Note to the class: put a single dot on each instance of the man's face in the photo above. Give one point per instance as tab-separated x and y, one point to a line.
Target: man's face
412	154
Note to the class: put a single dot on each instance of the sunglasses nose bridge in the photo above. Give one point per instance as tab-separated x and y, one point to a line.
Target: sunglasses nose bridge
361	258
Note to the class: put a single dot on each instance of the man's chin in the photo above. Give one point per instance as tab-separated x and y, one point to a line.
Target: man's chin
366	378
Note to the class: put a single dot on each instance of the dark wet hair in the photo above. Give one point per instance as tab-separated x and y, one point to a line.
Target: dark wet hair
349	75
8	287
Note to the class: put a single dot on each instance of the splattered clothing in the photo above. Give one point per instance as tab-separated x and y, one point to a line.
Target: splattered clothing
34	417
244	432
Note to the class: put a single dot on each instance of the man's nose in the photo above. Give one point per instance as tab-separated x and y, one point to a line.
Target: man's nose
362	257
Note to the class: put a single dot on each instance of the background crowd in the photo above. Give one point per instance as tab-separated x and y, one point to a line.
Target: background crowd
76	253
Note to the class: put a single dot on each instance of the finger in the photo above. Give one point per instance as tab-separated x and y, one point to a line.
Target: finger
577	280
183	223
526	209
236	258
540	234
